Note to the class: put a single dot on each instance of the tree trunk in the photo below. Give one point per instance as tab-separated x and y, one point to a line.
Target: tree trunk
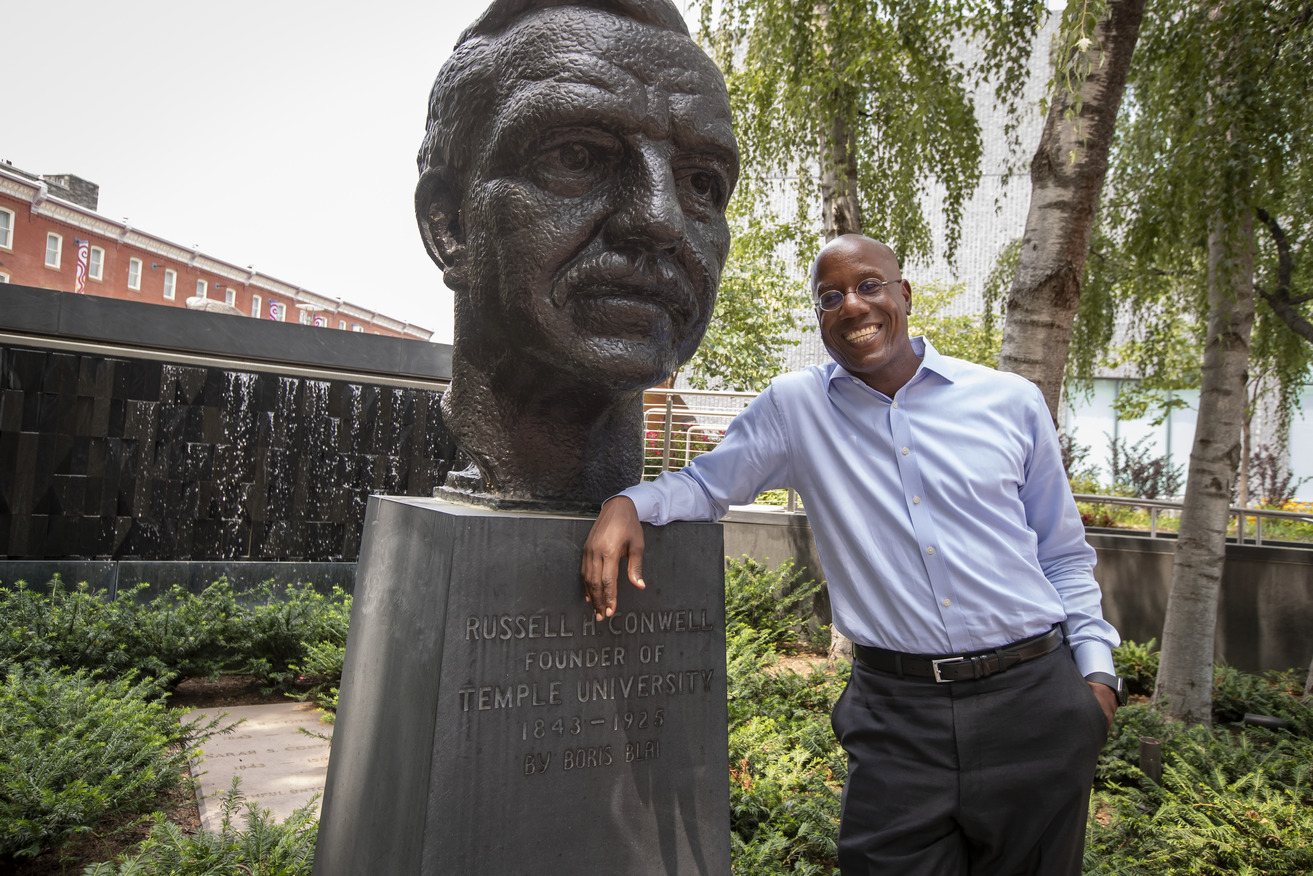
1308	685
1185	673
840	203
1066	177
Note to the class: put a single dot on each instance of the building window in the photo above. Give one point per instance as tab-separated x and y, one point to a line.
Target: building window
355	327
200	288
230	296
54	250
96	266
6	228
305	317
4	278
134	274
341	323
170	283
255	306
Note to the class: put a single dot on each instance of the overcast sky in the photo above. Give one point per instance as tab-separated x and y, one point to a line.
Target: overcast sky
280	134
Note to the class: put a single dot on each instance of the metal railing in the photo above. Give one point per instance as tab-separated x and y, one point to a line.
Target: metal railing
1155	507
680	425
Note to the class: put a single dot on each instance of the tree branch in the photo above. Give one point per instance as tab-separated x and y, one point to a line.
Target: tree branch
1280	299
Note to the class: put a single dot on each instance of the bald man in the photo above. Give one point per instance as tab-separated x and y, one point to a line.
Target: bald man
983	684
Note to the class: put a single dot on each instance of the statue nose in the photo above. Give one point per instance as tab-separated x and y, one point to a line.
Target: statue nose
649	214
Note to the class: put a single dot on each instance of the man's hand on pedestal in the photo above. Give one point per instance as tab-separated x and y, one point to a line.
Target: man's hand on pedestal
617	533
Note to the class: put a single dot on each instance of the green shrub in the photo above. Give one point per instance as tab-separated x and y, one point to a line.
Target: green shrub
175	635
77	628
775	604
322	672
264	846
1227	805
786	768
1275	694
1138	664
75	751
1119	761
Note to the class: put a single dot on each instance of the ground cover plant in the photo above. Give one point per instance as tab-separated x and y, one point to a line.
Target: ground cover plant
259	845
88	744
80	743
75	751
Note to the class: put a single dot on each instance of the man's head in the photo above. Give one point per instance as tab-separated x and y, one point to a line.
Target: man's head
865	329
573	183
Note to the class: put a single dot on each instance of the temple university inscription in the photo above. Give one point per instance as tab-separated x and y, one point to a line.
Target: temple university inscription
574	693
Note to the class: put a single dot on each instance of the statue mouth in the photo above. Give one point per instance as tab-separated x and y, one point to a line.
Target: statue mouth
627	289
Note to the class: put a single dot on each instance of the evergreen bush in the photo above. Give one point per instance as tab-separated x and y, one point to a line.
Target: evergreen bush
262	845
75	751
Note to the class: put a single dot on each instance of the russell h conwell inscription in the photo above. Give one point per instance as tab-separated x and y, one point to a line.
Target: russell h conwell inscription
583	693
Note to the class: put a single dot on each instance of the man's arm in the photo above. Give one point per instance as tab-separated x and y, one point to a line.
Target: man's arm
1067	559
752	457
616	534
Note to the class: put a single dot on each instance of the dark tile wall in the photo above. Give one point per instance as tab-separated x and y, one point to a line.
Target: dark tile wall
113	458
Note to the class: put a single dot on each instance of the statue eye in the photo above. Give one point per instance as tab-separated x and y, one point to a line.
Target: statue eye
702	183
574	156
572	162
705	190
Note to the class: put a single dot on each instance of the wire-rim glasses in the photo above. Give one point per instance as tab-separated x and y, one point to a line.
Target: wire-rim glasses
868	290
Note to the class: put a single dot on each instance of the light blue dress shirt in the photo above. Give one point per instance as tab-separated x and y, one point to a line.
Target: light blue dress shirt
942	516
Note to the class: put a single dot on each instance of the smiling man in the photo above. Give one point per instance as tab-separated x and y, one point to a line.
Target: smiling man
982	687
573	184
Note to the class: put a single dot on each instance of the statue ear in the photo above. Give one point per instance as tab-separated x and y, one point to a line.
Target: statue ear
438	215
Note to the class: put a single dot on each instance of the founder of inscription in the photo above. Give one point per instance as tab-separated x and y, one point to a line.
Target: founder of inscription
573	182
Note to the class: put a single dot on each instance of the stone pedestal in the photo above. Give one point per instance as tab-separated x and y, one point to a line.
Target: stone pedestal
488	725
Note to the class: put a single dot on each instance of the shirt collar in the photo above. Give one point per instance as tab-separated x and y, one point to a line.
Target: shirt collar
931	361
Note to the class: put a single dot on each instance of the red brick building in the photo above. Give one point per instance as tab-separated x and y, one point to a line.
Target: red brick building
46	220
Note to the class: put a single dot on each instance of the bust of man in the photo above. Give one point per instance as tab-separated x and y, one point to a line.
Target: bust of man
574	174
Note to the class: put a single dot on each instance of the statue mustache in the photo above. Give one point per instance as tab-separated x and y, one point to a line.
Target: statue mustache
637	275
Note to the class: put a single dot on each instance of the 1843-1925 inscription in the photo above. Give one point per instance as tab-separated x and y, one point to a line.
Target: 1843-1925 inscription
584	694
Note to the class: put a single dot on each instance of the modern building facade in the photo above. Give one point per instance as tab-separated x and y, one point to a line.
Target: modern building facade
51	237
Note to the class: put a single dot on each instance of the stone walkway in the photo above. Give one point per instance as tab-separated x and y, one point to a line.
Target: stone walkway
279	752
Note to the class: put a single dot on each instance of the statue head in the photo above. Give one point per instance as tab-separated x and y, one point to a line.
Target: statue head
575	169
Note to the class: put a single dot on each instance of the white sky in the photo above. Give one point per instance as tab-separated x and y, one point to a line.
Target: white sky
280	134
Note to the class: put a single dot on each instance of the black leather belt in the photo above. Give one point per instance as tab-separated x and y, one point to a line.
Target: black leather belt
958	667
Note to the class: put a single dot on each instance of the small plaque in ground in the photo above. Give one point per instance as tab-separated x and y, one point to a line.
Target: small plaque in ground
277	752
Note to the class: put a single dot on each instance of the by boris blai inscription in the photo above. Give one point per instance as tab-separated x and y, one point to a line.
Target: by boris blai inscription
488	723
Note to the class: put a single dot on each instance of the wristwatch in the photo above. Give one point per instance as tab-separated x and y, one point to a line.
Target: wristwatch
1117	684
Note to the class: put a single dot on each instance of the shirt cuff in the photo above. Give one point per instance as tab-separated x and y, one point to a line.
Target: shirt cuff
645	502
1093	657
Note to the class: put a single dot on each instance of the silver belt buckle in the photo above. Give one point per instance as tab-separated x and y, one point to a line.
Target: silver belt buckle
934	665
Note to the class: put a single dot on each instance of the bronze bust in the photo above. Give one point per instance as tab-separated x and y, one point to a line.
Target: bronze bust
574	174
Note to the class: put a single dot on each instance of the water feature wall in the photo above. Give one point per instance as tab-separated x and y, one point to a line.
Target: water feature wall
109	450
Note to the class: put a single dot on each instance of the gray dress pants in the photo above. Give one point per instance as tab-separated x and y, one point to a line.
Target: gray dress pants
988	777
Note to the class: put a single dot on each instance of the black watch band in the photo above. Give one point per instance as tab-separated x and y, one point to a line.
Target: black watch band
1117	684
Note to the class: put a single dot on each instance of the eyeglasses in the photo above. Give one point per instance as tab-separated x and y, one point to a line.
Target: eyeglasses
832	299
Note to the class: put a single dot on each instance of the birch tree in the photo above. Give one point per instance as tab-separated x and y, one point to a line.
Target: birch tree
1092	58
1217	130
863	105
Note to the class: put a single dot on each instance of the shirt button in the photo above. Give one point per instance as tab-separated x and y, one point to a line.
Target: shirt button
947	602
906	451
930	550
854	380
895	404
916	500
